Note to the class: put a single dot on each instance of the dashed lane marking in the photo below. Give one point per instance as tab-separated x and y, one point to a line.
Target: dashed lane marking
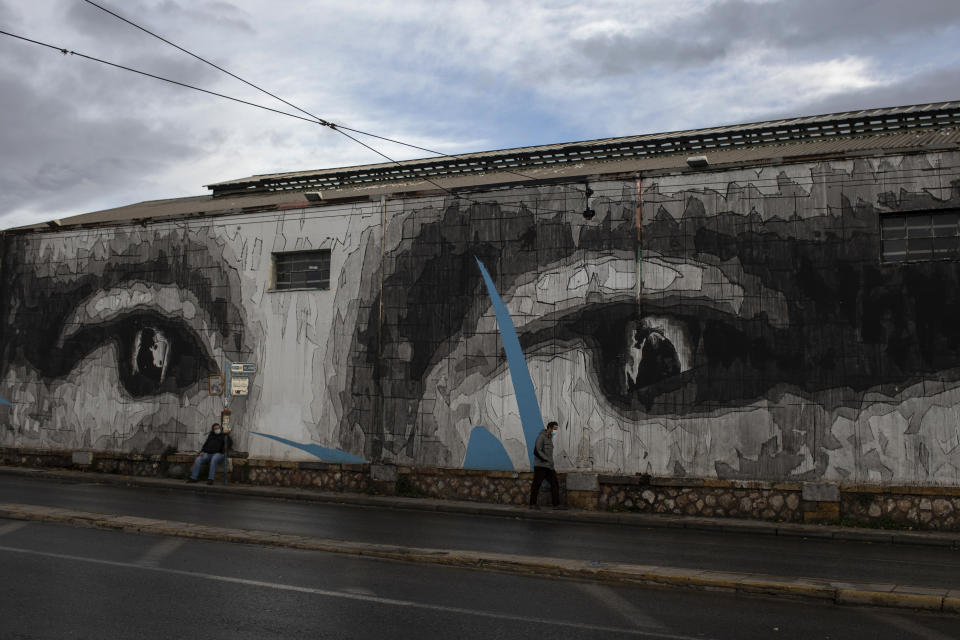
617	603
160	551
10	527
910	627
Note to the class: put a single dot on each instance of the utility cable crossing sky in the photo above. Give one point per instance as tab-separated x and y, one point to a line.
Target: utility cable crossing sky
312	118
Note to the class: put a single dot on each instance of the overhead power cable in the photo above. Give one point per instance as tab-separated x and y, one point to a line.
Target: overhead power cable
155	77
219	95
322	121
333	125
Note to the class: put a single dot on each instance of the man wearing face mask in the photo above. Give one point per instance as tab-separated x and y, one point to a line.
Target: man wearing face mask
212	451
543	466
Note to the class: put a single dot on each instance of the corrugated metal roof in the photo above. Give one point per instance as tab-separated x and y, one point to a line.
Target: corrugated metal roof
868	144
872	122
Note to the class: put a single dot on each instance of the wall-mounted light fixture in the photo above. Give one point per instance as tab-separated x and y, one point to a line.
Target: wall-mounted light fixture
314	196
698	162
588	213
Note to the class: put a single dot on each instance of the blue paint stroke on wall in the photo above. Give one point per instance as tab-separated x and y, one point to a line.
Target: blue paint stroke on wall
484	451
530	416
2	401
325	454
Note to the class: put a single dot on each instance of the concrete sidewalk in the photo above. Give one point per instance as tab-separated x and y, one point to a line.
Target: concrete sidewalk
847	593
727	525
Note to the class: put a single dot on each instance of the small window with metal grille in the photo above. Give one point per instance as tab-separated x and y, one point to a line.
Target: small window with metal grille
920	236
301	270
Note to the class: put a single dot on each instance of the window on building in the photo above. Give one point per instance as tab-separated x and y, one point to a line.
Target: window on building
929	235
301	270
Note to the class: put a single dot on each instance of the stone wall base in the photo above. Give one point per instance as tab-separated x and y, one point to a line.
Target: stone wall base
906	507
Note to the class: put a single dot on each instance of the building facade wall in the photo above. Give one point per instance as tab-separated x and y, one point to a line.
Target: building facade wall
723	324
803	355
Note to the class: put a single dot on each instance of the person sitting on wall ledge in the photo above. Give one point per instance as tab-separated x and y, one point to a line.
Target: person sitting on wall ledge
212	451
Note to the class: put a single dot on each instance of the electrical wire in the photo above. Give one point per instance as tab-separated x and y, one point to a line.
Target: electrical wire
704	183
220	95
155	77
322	121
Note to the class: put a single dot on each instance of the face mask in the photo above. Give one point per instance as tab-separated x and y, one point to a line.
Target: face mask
217	431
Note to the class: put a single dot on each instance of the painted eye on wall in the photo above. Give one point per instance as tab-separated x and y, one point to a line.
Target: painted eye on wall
629	354
673	359
159	355
155	354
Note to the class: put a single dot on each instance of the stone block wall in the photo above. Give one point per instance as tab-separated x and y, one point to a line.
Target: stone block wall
498	487
923	507
351	478
692	497
931	508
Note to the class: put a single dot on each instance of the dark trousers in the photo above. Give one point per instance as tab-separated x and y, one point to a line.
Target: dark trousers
539	474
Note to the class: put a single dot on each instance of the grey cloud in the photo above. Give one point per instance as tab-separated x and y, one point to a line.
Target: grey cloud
933	86
168	19
8	16
809	26
53	156
94	24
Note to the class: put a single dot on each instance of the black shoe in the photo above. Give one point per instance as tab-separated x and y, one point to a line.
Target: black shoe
209	481
191	479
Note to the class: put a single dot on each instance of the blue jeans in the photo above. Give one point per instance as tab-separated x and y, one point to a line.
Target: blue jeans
213	458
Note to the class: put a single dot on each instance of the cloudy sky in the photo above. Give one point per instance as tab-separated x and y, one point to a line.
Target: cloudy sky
451	75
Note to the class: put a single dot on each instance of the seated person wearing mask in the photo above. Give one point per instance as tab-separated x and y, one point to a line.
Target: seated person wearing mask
212	451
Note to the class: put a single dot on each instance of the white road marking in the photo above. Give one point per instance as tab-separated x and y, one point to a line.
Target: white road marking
910	627
11	527
615	602
653	635
160	551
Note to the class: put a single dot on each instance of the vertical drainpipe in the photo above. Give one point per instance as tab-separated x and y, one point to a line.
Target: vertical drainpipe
378	401
3	289
639	246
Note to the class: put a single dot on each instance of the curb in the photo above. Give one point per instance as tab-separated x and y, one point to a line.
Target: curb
859	594
654	521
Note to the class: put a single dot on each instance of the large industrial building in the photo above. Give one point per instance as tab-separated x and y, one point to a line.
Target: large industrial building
770	301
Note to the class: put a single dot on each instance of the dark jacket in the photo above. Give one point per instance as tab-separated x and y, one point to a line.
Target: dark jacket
216	443
543	451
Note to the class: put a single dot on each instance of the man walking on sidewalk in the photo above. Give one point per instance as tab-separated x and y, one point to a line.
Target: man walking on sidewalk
213	451
543	466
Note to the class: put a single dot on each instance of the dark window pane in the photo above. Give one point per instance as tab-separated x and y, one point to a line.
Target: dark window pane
895	233
919	248
894	246
918	227
302	270
944	246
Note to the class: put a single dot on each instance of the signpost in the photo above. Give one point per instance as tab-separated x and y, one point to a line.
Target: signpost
226	424
239	385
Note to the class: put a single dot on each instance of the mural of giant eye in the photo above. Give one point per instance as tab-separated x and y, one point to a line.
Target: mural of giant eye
159	355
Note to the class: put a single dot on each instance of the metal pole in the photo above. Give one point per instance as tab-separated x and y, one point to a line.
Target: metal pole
226	455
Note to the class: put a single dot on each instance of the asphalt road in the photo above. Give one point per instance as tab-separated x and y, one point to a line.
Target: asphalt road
59	582
735	552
